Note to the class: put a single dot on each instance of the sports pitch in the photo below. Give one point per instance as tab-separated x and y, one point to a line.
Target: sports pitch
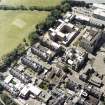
15	26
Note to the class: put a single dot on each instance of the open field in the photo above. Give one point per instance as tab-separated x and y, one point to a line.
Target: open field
41	3
15	26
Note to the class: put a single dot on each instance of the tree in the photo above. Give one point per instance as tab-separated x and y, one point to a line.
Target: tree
41	28
20	49
1	88
74	3
1	103
87	5
24	40
65	7
103	26
104	60
56	13
66	69
7	100
50	21
103	100
11	57
33	37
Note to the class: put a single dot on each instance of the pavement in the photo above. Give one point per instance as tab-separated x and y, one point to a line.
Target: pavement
99	64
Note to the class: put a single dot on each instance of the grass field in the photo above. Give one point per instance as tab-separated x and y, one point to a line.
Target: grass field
15	26
32	2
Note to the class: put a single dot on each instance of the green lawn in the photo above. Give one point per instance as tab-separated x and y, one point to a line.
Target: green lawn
15	26
32	2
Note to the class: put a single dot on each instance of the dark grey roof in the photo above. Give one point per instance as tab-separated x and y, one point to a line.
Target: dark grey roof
15	92
33	65
23	77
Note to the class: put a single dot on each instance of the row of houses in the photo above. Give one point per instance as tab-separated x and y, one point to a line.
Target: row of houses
19	89
43	52
45	41
32	64
21	76
14	91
